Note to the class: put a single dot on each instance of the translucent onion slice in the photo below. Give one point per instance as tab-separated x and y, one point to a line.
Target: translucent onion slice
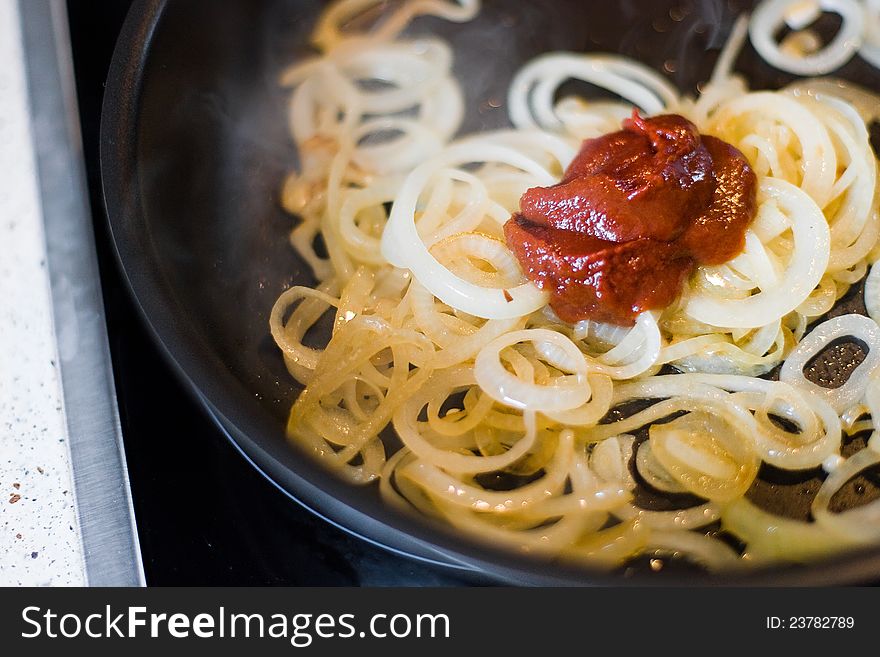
588	415
610	459
549	539
653	472
864	101
770	16
402	245
860	524
870	50
872	293
611	547
703	549
565	393
804	271
410	69
798	137
710	458
359	243
329	33
409	429
532	499
635	353
405	150
859	327
817	437
525	523
692	517
771	538
288	335
533	91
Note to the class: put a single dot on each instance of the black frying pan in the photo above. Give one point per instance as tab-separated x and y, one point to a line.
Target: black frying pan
194	146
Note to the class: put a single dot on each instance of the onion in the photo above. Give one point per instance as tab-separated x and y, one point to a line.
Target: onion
328	34
690	518
401	152
870	50
864	101
412	70
770	16
528	498
587	120
772	538
724	64
635	353
462	248
431	304
872	292
618	364
409	429
861	524
653	472
819	424
567	392
610	459
402	246
858	326
532	92
804	271
602	390
710	458
288	335
359	244
611	547
708	551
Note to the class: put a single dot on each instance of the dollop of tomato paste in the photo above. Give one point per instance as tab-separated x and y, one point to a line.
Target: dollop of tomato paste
636	211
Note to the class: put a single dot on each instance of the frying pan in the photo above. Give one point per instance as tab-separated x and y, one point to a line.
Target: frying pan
194	146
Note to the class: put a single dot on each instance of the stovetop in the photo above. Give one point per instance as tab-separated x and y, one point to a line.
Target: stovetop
204	515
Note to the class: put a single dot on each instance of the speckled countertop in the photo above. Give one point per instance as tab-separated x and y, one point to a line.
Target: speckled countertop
66	517
40	542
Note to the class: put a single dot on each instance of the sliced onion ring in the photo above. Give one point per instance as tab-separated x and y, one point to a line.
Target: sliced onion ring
403	247
858	326
771	15
507	388
708	458
862	523
872	292
807	264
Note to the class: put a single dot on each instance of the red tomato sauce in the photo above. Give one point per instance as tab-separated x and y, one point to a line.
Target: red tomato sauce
636	211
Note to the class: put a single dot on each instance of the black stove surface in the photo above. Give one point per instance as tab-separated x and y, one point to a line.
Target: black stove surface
205	516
